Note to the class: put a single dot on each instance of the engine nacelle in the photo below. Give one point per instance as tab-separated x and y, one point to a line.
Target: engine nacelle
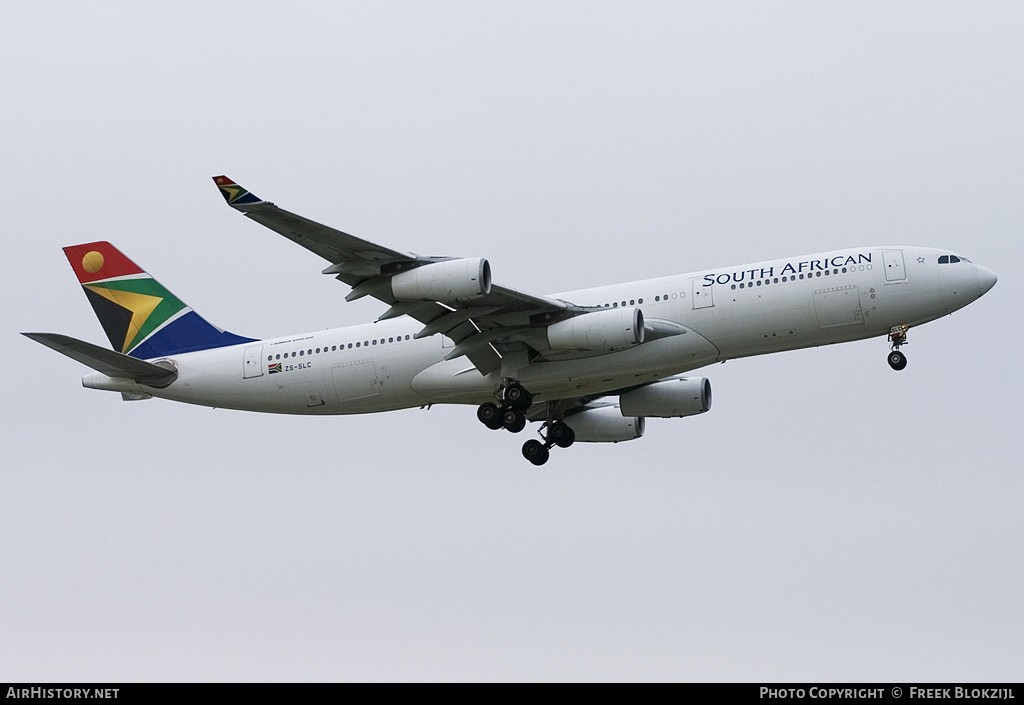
612	329
604	424
452	280
669	398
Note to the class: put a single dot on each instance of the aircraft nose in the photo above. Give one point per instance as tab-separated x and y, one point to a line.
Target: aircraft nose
986	279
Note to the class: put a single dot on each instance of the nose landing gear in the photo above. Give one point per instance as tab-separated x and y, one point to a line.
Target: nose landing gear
898	338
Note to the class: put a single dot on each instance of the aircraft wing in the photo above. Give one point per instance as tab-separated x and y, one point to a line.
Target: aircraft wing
482	328
335	246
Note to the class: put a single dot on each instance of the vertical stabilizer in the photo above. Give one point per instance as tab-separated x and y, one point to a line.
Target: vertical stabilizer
139	315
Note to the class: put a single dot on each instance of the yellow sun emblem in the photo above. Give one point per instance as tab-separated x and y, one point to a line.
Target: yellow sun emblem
92	262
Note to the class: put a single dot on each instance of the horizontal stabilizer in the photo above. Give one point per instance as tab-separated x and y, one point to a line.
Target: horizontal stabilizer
108	362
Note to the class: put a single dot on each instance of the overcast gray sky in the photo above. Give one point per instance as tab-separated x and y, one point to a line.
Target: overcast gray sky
828	519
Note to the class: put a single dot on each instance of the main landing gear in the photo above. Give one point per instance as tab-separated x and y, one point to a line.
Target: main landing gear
510	414
898	338
558	434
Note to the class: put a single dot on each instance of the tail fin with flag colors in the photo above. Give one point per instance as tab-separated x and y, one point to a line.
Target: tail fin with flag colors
139	315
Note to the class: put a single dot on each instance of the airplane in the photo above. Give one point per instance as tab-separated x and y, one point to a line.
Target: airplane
588	365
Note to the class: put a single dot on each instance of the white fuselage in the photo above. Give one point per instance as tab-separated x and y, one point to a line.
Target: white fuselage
698	318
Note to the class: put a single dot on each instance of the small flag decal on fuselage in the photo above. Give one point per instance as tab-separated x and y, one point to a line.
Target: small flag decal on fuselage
274	367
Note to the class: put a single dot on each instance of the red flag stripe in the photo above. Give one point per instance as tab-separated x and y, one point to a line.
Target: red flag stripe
95	261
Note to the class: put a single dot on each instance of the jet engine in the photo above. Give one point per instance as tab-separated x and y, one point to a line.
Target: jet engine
668	399
612	329
604	424
449	281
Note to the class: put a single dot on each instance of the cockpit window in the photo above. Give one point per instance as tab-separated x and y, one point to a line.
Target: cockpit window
944	259
952	259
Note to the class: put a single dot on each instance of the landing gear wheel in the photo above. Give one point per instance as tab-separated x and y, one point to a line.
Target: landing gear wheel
514	421
516	397
897	360
490	416
561	434
535	452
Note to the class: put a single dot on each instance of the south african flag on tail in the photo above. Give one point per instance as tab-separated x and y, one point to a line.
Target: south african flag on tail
139	315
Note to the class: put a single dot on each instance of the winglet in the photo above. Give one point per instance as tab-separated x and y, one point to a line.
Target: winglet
234	194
